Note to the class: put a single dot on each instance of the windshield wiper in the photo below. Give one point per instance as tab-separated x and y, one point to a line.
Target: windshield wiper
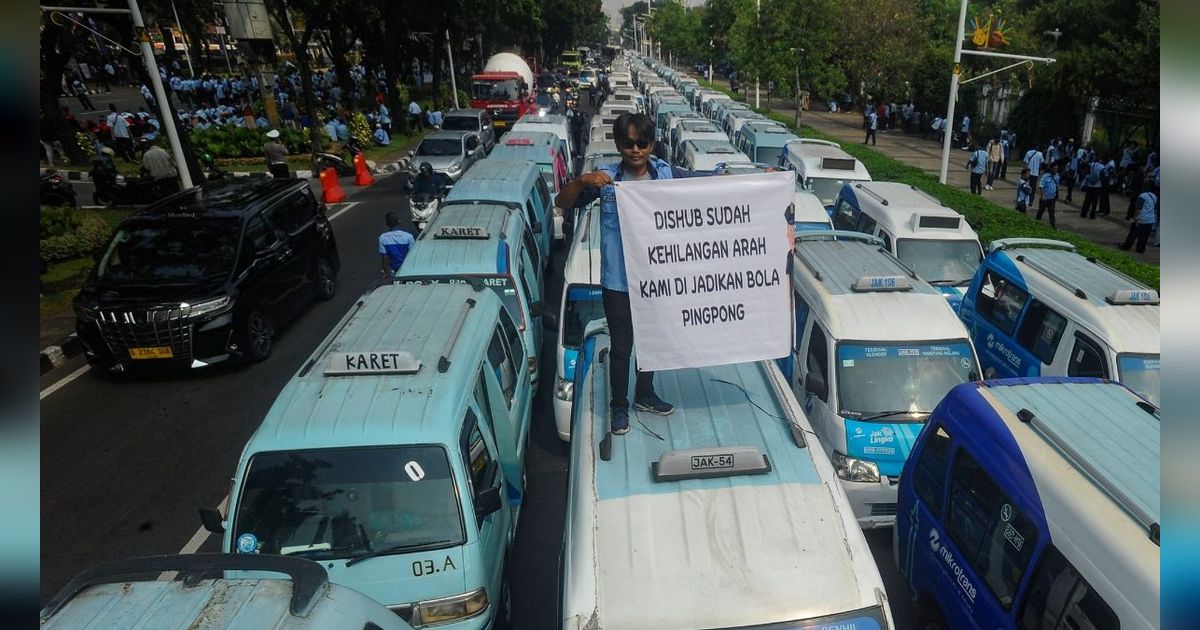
890	414
393	550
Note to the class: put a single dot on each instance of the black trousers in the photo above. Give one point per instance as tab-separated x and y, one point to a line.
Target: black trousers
1047	205
278	170
1105	207
620	330
1004	168
1139	232
976	183
1091	197
870	136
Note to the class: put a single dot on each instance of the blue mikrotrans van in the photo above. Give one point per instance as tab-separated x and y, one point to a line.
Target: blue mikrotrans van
509	182
1034	503
395	457
763	141
1036	307
493	244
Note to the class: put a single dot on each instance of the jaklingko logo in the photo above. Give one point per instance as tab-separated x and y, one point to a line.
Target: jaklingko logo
935	543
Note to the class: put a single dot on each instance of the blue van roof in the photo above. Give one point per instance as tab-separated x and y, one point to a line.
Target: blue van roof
496	180
431	256
724	405
318	411
543	142
1102	423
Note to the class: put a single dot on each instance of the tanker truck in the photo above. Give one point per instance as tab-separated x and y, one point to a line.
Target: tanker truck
505	89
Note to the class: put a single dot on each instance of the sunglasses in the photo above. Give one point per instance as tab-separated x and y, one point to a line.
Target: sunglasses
626	143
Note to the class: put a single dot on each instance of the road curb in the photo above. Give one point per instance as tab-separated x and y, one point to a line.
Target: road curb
58	354
377	169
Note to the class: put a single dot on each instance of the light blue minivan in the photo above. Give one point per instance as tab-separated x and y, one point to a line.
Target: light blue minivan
493	244
509	182
395	456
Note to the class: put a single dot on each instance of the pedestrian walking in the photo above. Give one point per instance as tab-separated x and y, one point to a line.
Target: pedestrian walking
1024	192
394	244
965	132
1107	181
81	93
871	123
110	76
1091	190
1147	217
276	154
122	139
1033	161
634	134
1010	143
977	164
1048	187
414	115
995	155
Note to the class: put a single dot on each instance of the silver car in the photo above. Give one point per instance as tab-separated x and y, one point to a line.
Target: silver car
475	120
448	152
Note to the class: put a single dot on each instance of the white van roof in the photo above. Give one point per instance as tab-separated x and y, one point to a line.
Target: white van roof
1099	297
809	209
1093	451
909	212
860	291
822	158
775	547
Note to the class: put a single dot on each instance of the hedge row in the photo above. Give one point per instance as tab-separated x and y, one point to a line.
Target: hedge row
990	221
90	234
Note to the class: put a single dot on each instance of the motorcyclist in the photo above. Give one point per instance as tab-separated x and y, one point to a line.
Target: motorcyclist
425	183
104	171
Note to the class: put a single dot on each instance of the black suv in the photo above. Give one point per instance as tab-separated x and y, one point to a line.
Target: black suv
207	275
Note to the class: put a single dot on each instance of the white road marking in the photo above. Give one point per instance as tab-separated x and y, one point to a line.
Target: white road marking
349	204
77	373
63	381
195	542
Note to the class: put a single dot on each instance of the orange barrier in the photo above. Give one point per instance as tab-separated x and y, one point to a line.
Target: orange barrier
331	190
362	176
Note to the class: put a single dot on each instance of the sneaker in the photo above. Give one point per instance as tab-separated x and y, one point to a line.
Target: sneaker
655	405
619	420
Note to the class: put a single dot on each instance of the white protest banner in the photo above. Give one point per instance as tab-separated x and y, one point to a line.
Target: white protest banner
707	263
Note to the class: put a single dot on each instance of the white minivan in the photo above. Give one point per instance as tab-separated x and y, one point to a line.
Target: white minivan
581	304
822	167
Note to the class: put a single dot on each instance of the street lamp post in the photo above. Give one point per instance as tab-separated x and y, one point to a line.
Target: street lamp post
186	54
453	82
757	16
168	121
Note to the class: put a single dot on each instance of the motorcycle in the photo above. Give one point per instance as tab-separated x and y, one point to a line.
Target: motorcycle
56	191
425	204
134	191
343	166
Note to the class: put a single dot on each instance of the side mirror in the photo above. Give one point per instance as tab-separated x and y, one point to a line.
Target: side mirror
536	309
549	322
211	520
815	384
470	152
487	502
536	226
411	153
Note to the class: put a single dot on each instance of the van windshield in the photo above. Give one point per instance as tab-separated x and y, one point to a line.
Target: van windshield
339	503
583	306
767	155
940	261
1139	372
502	285
875	378
824	188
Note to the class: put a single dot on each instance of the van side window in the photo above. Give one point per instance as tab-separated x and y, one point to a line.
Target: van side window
1058	597
1000	302
866	224
295	212
1087	359
543	192
525	277
996	539
1041	330
530	245
930	472
843	215
259	235
513	336
502	362
480	462
887	240
801	318
818	356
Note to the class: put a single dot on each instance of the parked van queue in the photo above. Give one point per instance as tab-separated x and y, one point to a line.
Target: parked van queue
395	457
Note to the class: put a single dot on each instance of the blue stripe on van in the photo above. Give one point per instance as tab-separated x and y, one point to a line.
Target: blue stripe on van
502	257
888	445
570	359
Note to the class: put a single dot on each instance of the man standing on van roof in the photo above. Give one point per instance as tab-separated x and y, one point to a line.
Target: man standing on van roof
634	135
394	244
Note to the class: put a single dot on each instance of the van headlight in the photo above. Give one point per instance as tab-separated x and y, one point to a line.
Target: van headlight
207	306
851	469
563	389
450	608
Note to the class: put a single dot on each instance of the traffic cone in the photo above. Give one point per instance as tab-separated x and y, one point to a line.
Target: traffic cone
331	190
362	177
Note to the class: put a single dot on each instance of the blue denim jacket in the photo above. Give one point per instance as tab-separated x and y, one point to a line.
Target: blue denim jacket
612	253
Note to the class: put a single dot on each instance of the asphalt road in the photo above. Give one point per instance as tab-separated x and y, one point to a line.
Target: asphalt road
126	462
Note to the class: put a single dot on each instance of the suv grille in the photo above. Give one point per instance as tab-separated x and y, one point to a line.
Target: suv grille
144	328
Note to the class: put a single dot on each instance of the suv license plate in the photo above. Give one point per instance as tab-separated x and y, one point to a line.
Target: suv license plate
155	352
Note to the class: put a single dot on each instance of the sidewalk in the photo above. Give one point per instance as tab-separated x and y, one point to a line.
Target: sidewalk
926	155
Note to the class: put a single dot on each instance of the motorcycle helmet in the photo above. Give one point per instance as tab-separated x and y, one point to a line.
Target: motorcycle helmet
108	151
426	169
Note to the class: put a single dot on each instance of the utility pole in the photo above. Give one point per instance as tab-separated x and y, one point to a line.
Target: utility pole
453	82
757	17
186	53
168	121
955	81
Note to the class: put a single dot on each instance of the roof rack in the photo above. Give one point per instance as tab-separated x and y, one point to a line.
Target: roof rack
1013	243
878	197
927	195
444	360
814	141
1042	269
309	579
329	339
838	235
1083	465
